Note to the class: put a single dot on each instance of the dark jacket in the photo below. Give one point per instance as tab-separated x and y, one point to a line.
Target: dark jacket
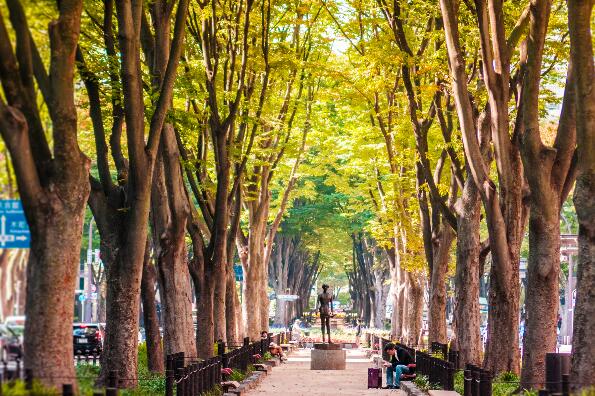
402	357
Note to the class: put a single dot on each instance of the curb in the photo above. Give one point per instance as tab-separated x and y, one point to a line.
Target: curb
254	379
411	390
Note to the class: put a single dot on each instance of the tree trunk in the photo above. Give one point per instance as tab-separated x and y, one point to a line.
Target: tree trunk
176	301
255	281
51	276
123	287
169	214
155	358
220	313
205	332
437	308
251	295
581	52
281	312
231	306
394	267
583	348
415	309
542	296
467	318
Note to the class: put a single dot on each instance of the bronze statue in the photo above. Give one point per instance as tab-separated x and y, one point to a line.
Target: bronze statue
325	307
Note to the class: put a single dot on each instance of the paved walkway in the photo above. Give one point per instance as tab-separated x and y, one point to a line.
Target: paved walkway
294	378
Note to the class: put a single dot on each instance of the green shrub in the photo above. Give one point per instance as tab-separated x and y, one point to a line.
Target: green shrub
237	375
86	375
505	384
459	382
424	384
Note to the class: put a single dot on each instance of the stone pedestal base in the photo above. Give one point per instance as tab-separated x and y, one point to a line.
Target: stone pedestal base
327	359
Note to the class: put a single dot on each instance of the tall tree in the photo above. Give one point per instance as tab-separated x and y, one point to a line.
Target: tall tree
550	175
224	64
52	181
581	58
121	210
169	203
505	212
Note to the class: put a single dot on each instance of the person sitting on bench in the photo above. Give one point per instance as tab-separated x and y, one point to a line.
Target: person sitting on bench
277	351
395	365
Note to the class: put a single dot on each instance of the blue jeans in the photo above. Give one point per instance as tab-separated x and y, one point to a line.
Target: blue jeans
393	374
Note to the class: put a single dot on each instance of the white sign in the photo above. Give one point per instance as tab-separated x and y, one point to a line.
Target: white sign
288	297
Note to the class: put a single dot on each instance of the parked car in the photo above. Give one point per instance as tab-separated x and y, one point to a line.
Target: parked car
87	338
11	342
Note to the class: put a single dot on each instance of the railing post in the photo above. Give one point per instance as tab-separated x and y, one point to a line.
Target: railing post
485	383
67	390
565	384
28	379
222	354
451	376
453	357
195	379
180	388
180	361
111	391
169	380
112	379
553	372
467	379
475	382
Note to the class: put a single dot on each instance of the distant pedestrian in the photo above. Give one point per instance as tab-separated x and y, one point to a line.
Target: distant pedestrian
358	331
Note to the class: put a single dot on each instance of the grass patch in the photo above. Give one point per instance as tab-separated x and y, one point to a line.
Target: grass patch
17	388
148	383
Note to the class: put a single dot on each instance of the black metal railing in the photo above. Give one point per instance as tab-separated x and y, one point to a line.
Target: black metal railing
184	375
438	371
193	378
189	376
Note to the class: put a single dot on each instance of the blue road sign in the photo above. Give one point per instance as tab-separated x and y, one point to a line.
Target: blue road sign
14	230
239	272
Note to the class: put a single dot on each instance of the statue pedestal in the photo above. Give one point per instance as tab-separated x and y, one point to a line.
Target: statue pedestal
327	357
